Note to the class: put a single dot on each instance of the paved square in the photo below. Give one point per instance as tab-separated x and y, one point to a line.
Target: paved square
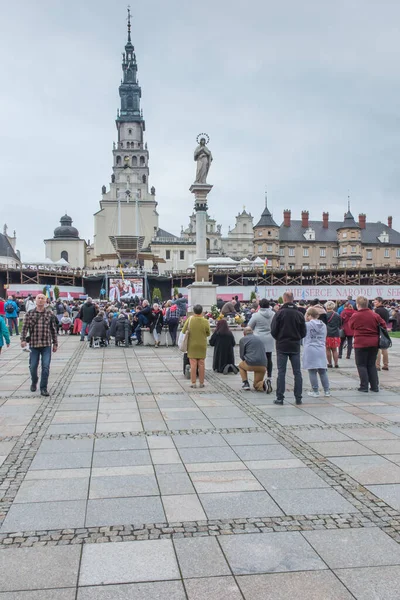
127	483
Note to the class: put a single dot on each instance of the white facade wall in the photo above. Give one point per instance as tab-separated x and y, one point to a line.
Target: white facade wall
76	249
171	252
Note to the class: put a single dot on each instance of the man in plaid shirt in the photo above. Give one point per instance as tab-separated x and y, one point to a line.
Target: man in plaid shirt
41	325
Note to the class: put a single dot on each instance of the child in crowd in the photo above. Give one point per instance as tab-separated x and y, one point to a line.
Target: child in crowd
66	323
314	355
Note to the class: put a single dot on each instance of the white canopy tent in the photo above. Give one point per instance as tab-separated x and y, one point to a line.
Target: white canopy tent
62	262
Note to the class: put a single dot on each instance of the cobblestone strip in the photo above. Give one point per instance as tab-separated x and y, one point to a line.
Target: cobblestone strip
155	531
14	468
156	432
364	501
380	424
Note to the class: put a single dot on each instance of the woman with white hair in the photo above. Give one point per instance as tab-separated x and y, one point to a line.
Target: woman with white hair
333	323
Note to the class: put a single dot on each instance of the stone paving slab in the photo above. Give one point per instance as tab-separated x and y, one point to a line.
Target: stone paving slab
160	491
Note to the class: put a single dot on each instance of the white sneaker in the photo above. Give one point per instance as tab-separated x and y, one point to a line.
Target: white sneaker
327	394
313	394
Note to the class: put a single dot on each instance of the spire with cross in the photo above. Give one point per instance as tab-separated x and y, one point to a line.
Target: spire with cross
129	90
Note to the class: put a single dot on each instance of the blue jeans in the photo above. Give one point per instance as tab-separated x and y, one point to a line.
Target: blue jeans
282	358
142	322
34	357
83	329
13	322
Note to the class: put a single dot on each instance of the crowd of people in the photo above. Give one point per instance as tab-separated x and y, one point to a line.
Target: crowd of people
325	332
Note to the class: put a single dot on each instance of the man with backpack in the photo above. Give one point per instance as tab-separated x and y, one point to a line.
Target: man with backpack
11	309
86	315
172	316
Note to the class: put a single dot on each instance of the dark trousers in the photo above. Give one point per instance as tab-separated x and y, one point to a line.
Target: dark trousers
34	357
282	358
349	339
366	365
12	323
269	364
142	322
173	329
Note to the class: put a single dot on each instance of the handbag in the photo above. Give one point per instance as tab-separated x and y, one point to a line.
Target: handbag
384	341
183	339
342	333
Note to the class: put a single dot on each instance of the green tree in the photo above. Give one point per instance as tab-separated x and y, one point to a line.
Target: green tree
156	295
176	291
280	300
56	292
253	296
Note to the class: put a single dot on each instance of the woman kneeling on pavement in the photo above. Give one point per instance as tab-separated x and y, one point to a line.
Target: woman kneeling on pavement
223	341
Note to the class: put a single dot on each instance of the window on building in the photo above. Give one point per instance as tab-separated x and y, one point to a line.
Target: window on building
282	266
353	263
142	161
343	263
269	247
369	254
387	254
129	102
260	233
168	254
259	248
291	266
130	131
398	253
118	160
143	178
291	251
353	249
322	252
335	252
353	234
322	265
64	255
181	255
344	250
306	266
269	233
281	251
306	252
344	235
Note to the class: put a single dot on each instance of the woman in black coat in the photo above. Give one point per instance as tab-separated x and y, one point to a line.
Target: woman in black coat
223	341
122	330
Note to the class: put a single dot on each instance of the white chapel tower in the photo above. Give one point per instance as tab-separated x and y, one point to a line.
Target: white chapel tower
128	210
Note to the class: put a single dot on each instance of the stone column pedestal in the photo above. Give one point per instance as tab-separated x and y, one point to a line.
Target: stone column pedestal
202	291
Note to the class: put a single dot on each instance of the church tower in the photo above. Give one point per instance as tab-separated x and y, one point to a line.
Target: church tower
266	238
127	208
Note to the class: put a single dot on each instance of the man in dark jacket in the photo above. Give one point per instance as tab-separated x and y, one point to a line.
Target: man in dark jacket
288	328
384	354
141	319
86	315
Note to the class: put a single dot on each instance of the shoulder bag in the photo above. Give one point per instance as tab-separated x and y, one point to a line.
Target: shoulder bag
384	341
183	339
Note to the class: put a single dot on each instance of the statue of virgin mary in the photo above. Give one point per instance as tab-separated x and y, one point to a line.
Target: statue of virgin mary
203	157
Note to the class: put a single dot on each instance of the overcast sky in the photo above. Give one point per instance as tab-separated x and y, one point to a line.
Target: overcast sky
298	97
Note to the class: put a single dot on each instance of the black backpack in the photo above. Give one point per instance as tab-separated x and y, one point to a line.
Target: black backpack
9	308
